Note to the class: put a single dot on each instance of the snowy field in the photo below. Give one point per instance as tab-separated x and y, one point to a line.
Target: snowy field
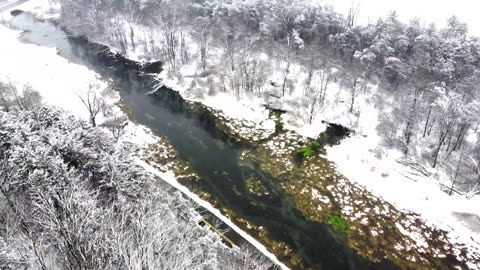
357	157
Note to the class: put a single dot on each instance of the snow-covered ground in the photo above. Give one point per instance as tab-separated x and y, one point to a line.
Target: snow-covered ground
359	158
356	158
46	72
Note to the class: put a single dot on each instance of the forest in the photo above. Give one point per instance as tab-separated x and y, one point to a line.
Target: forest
422	79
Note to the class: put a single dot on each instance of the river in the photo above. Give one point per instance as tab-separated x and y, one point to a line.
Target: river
214	157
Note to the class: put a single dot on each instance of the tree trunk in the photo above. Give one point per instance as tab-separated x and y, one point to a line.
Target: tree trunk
203	49
223	83
324	85
455	177
287	71
132	37
408	135
253	78
353	93
440	143
351	104
431	126
312	110
203	56
449	141
461	135
426	123
412	116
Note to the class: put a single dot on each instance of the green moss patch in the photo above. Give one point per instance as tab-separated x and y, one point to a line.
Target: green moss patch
307	151
277	117
339	224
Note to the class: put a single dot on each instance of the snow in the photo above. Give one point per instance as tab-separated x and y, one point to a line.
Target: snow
307	130
48	73
4	3
58	80
357	159
45	71
245	108
170	178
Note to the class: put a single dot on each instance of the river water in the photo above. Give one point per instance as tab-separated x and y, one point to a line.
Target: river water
216	160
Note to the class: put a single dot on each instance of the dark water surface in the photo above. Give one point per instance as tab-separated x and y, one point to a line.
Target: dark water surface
215	159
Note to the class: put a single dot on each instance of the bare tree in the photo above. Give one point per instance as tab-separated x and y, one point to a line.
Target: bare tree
357	87
79	202
229	36
247	257
25	99
316	87
170	30
248	62
203	33
412	116
94	101
287	58
352	16
476	169
116	125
